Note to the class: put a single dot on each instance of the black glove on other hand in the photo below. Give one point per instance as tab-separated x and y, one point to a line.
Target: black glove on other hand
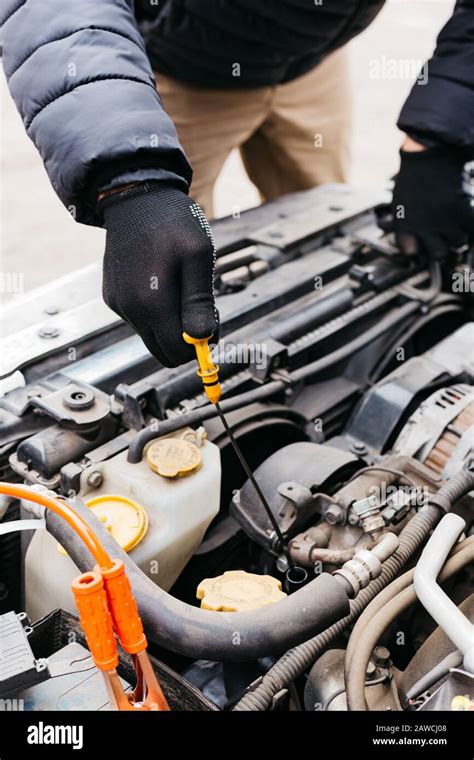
431	211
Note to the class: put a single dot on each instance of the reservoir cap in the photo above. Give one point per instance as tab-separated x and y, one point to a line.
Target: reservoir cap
173	457
237	590
126	520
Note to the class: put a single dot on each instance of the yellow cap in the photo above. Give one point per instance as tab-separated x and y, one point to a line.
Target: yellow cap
462	702
172	457
126	520
237	590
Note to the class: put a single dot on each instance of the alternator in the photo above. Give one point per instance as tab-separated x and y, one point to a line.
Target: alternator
441	431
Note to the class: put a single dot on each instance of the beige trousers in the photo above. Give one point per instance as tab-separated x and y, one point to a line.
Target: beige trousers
291	137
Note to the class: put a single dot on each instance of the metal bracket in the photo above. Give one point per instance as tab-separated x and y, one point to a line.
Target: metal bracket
132	406
298	494
275	360
77	406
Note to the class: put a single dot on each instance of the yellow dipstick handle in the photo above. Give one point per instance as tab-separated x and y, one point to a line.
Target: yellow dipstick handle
208	371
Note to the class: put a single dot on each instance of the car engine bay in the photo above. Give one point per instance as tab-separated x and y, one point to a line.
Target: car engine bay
347	382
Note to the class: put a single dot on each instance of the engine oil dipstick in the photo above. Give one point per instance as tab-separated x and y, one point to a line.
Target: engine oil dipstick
209	374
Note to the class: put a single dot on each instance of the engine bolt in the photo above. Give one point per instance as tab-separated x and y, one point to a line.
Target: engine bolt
95	479
381	657
32	392
282	564
48	332
334	514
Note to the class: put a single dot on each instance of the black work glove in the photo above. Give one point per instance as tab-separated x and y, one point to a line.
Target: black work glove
159	268
431	212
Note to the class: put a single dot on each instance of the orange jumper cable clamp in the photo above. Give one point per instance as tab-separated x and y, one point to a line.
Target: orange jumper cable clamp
105	603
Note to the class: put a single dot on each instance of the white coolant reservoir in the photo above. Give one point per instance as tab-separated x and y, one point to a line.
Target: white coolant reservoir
158	510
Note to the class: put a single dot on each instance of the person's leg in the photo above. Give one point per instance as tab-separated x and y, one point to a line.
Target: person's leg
210	123
305	141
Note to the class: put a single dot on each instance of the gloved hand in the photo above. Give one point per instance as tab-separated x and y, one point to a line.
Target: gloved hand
159	268
431	212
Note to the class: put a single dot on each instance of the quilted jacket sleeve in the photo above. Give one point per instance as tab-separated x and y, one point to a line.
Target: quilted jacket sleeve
440	108
80	77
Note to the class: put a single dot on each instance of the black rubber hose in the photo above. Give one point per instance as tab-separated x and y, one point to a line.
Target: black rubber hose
297	660
196	416
217	636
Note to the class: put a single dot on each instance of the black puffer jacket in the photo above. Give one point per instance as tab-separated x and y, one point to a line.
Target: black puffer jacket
82	80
